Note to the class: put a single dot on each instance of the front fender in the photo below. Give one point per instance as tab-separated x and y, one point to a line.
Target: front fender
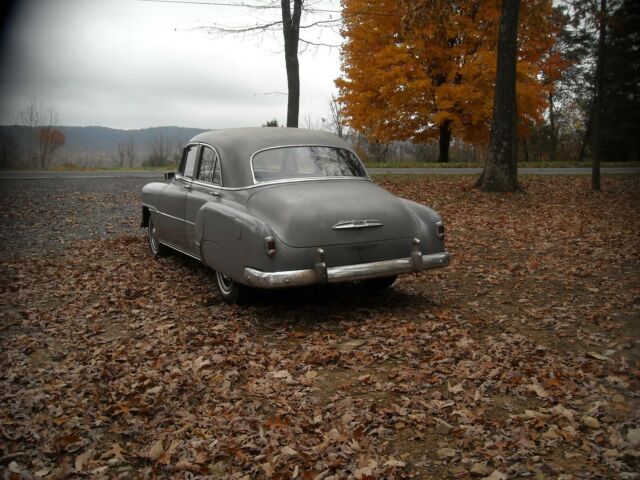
151	194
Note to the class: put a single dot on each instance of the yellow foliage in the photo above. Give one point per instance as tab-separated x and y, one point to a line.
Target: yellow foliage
411	65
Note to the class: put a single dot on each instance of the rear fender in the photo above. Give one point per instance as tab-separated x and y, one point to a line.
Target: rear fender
430	242
230	239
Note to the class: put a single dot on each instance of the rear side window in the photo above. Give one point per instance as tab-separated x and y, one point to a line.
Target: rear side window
209	170
188	163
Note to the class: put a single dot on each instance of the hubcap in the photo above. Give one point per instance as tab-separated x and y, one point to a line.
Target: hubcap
226	283
153	237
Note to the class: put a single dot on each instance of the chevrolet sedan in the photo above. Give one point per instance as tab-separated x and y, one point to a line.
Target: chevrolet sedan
280	208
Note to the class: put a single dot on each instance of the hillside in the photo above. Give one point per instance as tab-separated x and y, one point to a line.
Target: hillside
90	146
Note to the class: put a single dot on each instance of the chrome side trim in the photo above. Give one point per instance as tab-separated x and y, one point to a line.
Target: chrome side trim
154	209
353	224
346	273
178	249
276	182
309	179
212	186
174	218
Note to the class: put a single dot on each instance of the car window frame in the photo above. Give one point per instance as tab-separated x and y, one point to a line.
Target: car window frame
217	163
285	180
180	173
199	145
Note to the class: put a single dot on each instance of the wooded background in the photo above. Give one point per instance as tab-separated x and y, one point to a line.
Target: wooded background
417	84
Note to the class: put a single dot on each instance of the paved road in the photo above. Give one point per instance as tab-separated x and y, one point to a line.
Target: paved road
521	171
158	174
43	175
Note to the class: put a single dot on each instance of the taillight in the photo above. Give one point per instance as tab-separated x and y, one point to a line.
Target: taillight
440	229
270	245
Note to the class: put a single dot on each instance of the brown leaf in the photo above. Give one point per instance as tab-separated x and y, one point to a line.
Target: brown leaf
82	459
155	451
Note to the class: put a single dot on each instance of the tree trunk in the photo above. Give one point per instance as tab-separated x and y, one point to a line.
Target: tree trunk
445	141
554	132
500	173
599	92
525	145
587	136
291	33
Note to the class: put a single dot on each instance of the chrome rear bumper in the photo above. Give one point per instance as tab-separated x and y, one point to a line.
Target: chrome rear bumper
347	273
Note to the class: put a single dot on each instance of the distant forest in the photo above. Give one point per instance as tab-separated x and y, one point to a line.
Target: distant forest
23	147
96	146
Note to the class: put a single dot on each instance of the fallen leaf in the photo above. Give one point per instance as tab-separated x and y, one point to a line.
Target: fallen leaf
456	388
445	452
590	422
155	451
598	356
538	389
633	436
82	459
392	462
287	450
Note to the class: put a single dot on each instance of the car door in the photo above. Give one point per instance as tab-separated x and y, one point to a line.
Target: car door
172	221
204	188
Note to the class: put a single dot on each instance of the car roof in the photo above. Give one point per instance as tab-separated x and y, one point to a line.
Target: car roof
236	146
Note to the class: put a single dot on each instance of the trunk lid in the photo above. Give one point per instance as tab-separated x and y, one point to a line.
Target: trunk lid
323	213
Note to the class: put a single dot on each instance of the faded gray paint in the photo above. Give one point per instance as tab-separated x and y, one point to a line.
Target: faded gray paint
226	228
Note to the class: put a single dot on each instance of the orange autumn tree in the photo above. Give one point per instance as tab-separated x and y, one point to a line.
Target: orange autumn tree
422	70
49	139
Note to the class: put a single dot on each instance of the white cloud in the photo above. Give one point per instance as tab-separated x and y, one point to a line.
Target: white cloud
133	64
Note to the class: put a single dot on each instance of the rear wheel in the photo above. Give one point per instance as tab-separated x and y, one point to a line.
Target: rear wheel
379	283
154	242
231	291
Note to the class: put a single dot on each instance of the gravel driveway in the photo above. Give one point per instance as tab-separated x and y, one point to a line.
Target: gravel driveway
44	215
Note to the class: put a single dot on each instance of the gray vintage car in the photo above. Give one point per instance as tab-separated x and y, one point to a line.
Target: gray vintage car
280	207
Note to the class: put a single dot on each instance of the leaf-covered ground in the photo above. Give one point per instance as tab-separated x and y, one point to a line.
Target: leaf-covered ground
520	360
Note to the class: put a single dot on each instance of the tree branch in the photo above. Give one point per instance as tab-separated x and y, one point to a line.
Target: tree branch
330	22
318	44
236	30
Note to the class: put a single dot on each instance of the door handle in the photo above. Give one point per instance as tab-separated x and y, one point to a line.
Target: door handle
215	193
187	186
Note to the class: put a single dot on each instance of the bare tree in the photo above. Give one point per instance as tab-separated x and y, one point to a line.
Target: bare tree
130	152
337	116
292	12
599	94
291	35
178	147
125	152
311	124
160	151
120	154
46	139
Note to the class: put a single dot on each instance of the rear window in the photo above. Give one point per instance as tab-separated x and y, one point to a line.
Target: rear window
305	162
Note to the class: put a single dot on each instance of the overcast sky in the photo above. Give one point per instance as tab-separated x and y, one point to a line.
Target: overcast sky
136	64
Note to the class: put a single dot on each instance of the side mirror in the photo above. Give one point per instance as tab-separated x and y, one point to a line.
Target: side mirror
169	175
